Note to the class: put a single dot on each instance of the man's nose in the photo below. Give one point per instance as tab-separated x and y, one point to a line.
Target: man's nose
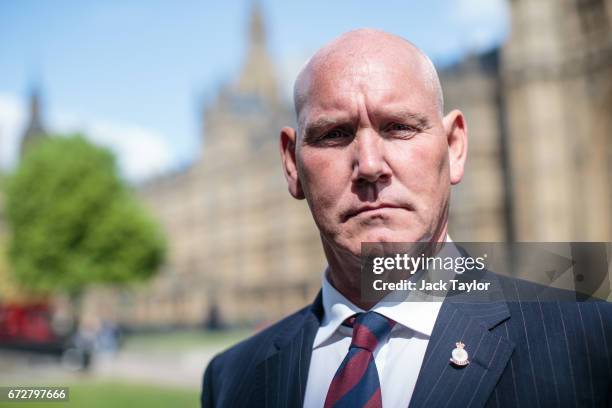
369	161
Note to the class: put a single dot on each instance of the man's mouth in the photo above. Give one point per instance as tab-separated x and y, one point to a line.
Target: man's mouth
370	209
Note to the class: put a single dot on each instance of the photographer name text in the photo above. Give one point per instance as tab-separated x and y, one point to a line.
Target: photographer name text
442	285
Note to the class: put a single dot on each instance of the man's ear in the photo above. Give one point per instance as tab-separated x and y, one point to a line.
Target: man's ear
456	137
287	146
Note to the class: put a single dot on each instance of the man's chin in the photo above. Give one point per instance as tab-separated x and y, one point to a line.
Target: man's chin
385	235
379	236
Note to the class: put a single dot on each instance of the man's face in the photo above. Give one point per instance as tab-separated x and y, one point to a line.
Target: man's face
372	154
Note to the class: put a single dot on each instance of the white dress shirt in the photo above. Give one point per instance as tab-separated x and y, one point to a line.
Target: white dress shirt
398	358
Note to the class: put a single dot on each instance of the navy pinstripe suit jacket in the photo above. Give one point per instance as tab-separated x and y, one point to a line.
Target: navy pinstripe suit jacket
522	354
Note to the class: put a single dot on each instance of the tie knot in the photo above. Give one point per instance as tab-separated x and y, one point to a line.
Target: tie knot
368	329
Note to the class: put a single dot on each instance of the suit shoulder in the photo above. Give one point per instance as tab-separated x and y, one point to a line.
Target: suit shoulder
516	289
553	313
233	370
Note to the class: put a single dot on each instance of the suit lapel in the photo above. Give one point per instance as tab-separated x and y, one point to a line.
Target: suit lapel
440	383
281	377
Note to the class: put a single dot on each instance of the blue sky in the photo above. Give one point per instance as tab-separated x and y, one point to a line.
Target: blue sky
132	75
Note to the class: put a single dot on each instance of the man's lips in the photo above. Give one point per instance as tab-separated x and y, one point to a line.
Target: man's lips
368	208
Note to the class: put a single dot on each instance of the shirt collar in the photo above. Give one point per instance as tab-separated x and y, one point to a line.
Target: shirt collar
419	316
336	309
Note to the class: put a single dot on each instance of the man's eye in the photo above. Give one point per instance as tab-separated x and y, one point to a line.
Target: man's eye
401	129
334	134
334	137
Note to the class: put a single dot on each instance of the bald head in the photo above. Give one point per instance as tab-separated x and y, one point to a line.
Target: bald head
355	53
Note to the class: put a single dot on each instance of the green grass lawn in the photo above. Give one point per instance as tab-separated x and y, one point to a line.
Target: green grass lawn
98	394
182	340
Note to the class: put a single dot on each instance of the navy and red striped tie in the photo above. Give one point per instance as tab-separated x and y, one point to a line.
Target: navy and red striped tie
356	382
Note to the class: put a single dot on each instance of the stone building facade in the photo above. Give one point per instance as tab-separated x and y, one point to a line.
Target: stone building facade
538	113
557	75
238	242
479	204
540	169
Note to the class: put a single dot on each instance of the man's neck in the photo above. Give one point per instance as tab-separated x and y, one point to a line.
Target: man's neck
344	271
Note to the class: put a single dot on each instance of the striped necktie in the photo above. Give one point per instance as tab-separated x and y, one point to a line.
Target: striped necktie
356	382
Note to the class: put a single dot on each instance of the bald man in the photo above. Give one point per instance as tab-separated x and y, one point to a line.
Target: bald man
375	158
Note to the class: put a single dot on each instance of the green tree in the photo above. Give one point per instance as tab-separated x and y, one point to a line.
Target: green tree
73	222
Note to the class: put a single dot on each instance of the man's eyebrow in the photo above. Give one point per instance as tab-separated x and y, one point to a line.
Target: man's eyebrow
322	122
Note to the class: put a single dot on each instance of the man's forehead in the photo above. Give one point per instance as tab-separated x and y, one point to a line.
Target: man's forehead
382	89
347	102
366	67
378	61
